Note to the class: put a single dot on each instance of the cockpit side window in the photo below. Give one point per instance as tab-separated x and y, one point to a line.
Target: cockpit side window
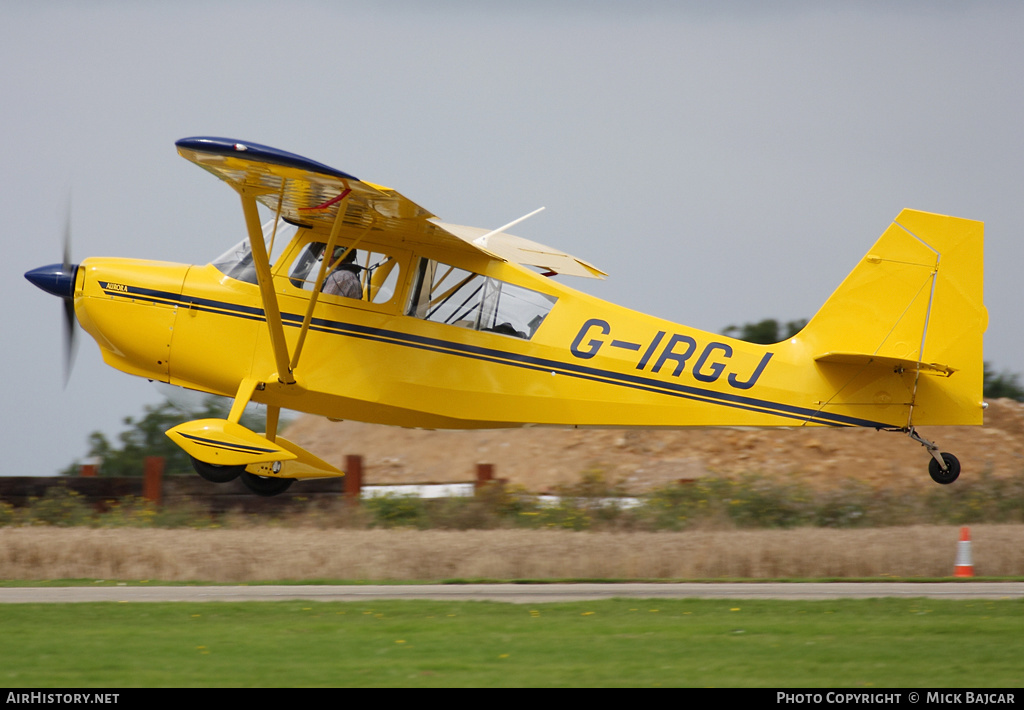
359	273
447	294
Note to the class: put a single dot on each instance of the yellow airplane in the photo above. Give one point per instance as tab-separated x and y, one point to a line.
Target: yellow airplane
353	302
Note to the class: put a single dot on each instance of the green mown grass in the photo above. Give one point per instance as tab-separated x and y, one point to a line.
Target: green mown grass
848	643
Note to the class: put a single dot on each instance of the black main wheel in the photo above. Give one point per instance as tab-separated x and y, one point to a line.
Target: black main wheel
950	474
217	474
266	485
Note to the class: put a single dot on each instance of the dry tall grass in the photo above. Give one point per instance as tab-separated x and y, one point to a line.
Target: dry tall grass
378	555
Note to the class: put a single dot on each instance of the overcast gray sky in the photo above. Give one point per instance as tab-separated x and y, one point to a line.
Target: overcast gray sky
725	162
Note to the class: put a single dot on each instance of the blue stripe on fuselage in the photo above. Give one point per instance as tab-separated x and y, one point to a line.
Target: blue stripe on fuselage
501	357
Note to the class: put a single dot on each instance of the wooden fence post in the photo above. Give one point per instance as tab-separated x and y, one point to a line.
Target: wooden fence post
353	478
153	476
484	475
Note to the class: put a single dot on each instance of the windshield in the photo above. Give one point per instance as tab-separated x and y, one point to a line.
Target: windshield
236	262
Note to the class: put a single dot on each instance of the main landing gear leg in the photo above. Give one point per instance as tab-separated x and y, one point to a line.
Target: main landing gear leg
944	467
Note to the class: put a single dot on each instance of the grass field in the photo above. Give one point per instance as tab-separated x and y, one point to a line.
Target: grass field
636	643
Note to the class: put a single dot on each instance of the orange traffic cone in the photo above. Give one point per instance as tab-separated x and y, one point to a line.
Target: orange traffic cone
964	566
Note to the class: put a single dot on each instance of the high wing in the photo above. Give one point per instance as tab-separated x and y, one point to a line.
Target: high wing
309	193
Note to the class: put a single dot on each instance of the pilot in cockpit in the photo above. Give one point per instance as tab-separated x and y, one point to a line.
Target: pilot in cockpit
344	280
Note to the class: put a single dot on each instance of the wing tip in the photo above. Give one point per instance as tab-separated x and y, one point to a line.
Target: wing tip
257	152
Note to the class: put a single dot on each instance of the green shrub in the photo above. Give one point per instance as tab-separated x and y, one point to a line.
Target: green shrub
592	503
393	510
60	506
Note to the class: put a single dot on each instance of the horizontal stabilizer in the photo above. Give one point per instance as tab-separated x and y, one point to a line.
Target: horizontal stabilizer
890	363
224	443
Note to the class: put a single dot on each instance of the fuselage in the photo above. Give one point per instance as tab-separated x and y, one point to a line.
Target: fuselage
443	340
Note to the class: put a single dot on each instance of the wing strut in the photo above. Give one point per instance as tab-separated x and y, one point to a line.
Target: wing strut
266	283
317	285
277	218
261	260
934	450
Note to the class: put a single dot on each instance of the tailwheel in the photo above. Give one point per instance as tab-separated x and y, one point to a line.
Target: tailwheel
266	485
216	474
952	469
944	467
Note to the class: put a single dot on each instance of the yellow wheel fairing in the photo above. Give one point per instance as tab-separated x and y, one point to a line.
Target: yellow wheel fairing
224	443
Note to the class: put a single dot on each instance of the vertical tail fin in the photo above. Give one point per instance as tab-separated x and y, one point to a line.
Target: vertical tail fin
913	305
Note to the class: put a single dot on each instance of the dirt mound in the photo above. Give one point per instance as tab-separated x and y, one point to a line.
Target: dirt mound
541	459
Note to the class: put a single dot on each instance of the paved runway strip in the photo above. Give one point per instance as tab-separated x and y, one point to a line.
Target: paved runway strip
516	593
